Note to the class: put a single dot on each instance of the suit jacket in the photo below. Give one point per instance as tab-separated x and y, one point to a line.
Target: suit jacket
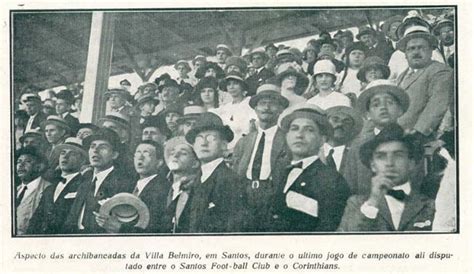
73	122
154	195
430	90
318	182
417	216
383	49
28	206
50	216
254	81
39	118
114	183
216	205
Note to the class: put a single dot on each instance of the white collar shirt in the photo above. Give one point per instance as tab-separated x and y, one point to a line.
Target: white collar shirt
142	183
208	168
396	207
267	149
30	188
29	124
296	172
337	155
100	176
62	185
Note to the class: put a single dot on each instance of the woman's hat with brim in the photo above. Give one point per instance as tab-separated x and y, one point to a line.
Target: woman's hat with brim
209	121
324	66
127	208
72	143
56	120
207	82
104	134
352	112
309	48
308	111
286	69
391	133
373	62
417	31
382	86
269	91
213	65
150	97
233	75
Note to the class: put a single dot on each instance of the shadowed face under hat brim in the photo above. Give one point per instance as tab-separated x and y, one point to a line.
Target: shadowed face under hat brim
364	98
432	40
226	132
385	71
269	94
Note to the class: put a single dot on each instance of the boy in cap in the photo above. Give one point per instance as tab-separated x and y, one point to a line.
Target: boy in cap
57	199
102	182
310	196
222	53
257	154
30	165
393	203
217	203
258	59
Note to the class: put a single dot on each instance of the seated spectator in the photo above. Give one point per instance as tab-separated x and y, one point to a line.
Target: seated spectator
207	93
210	69
236	64
171	115
347	79
310	56
372	69
186	122
64	102
222	53
155	130
258	59
126	85
376	46
117	101
49	107
293	82
21	118
86	129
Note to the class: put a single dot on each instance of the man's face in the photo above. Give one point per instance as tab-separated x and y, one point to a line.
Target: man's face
446	35
182	70
101	154
392	31
171	119
153	134
187	125
373	74
304	138
233	68
207	95
268	110
368	40
62	106
169	95
311	56
289	82
146	160
70	160
181	158
391	159
209	145
324	81
418	53
147	108
84	132
346	41
33	141
271	52
221	56
356	58
116	101
343	126
327	48
234	88
54	133
198	64
27	168
384	109
258	61
32	107
121	132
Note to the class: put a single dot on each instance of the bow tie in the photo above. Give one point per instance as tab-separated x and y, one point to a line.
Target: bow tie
397	194
295	165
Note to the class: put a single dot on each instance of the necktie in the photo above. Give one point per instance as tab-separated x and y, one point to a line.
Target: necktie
20	196
136	191
183	198
59	189
330	160
296	165
91	205
397	194
257	161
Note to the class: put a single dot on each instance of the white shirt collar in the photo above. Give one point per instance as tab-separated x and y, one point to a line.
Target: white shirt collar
376	131
306	161
142	183
69	177
406	187
31	187
100	176
208	168
269	131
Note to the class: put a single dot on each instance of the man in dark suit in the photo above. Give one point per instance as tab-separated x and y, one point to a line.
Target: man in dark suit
257	154
347	124
104	181
258	58
34	111
217	203
57	199
393	204
378	46
310	195
151	188
64	101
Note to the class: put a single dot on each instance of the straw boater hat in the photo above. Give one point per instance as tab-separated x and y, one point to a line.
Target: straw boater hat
382	86
182	62
30	97
390	133
56	120
417	31
441	23
260	52
309	111
412	19
191	112
199	58
234	76
352	112
373	62
293	69
72	143
31	133
269	91
127	208
209	121
116	117
225	48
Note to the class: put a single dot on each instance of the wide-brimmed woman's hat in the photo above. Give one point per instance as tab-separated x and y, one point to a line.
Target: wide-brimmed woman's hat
370	63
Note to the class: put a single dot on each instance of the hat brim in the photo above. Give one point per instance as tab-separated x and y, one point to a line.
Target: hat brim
384	68
129	200
364	32
226	132
223	85
432	40
29	134
156	101
264	55
320	119
441	24
101	121
57	123
187	117
57	150
269	94
302	81
364	98
353	113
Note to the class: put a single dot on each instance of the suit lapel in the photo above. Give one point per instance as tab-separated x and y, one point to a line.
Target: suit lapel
278	146
413	205
247	155
344	160
407	81
385	213
71	187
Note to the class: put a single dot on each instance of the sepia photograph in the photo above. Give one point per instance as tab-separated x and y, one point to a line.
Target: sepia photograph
244	121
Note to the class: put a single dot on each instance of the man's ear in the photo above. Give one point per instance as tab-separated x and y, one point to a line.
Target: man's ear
115	155
372	167
160	163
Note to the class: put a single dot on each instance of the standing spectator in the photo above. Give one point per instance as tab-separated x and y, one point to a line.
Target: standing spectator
34	110
64	102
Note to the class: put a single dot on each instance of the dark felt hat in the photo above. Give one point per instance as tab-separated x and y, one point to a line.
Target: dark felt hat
210	65
32	151
209	121
373	62
365	30
104	134
393	132
125	82
66	95
207	82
